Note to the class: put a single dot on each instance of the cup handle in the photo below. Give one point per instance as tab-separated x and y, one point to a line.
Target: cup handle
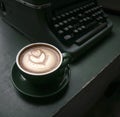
66	59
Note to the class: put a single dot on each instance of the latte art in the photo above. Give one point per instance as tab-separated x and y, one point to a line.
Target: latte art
39	59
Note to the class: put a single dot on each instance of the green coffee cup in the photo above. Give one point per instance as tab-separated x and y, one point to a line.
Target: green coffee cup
42	64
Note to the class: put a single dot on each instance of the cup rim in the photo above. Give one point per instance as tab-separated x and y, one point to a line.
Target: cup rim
38	74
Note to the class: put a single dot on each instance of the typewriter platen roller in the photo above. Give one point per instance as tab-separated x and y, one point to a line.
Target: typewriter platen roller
72	25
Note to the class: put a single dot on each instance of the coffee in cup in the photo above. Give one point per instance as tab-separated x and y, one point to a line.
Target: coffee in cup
39	59
42	63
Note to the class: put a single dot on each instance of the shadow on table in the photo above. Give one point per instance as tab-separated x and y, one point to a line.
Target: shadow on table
109	104
45	100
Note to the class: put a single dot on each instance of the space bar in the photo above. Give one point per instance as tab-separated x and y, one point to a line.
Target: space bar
90	34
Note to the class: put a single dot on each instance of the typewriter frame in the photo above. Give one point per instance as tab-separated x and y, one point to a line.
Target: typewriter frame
30	19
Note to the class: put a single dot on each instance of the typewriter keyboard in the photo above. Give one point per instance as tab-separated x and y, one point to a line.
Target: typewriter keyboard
79	24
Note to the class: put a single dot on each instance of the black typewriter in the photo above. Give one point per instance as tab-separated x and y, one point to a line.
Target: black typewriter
79	23
73	25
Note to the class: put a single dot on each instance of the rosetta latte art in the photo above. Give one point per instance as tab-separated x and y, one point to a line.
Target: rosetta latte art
39	59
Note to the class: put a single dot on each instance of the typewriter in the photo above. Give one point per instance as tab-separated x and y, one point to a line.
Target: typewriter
71	25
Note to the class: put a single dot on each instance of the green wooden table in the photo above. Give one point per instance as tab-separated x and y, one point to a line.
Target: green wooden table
90	76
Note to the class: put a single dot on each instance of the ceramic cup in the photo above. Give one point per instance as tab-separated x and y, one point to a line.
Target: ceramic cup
42	64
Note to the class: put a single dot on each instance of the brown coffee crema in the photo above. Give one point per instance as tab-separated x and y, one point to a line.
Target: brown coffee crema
39	59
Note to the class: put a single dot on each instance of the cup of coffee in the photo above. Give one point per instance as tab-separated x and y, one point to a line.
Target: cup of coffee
42	64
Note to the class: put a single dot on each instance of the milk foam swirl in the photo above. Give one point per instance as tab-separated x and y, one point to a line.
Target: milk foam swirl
39	59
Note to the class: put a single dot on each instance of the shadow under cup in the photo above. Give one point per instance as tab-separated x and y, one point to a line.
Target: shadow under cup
48	80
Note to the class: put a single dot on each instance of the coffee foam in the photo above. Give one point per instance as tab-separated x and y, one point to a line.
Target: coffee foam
39	59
